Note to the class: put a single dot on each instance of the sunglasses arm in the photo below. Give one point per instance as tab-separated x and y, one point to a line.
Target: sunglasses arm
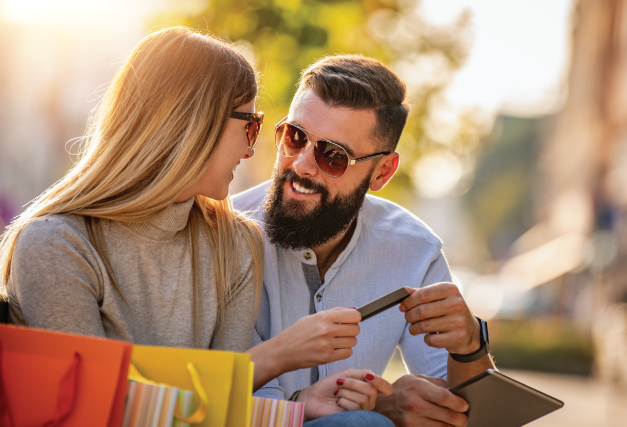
363	159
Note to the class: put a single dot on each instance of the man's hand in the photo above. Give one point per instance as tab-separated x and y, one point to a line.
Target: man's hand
313	340
423	401
349	390
440	312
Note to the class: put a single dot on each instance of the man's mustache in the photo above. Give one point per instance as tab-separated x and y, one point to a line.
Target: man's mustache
290	175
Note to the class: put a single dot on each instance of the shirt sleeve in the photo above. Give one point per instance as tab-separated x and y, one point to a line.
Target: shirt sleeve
56	279
273	389
419	358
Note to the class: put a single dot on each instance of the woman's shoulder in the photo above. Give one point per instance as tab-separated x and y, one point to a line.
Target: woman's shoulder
51	230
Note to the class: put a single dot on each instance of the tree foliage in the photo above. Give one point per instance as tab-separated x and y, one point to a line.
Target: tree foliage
285	36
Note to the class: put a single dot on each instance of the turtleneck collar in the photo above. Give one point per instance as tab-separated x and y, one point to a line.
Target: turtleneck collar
165	225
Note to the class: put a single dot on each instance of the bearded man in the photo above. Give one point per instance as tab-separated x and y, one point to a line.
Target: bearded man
329	244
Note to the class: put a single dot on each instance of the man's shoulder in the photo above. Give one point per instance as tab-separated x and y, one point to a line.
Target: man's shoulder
387	218
251	201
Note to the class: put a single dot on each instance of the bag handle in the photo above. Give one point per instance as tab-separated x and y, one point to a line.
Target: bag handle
66	397
201	413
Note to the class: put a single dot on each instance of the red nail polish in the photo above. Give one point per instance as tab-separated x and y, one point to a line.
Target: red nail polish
369	377
340	382
352	308
336	402
335	392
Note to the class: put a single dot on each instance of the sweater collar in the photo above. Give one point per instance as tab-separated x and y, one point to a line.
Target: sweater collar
167	223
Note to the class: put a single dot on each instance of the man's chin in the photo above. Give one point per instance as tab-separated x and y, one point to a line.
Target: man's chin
296	208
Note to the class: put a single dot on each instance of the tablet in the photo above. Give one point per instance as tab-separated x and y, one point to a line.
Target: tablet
496	400
381	304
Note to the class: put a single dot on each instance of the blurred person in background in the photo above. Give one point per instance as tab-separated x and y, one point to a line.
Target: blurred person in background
139	241
330	245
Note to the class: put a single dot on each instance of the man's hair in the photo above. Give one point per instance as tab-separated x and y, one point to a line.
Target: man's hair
361	83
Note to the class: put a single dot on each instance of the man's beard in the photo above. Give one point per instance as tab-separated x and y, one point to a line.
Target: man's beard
290	225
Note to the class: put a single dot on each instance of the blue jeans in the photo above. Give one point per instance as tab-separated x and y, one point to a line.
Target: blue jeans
352	419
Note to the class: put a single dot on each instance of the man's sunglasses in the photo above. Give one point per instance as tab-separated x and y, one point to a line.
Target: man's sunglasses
331	158
255	120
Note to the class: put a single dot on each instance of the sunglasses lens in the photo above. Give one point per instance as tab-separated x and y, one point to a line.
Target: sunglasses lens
290	140
331	158
253	133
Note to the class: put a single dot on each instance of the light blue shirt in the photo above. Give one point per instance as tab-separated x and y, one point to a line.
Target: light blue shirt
390	248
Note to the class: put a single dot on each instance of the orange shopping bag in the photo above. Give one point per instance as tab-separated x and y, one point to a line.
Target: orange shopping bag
49	379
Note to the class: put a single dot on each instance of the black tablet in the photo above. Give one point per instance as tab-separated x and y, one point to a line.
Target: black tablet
496	400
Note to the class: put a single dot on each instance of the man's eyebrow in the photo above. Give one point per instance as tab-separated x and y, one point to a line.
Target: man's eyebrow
341	144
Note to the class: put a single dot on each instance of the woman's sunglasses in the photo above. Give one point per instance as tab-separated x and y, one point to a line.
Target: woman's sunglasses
255	120
331	158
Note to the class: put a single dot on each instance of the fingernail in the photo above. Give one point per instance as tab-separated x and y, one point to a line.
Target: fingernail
353	308
337	401
335	392
466	407
340	382
401	308
369	377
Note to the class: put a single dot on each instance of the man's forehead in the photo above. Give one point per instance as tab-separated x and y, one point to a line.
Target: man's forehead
346	126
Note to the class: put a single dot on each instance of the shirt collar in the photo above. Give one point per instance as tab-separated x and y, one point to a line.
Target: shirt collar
308	256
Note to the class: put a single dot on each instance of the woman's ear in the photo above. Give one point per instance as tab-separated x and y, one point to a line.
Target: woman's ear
384	171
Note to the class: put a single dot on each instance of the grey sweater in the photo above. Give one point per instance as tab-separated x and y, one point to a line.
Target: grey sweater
59	282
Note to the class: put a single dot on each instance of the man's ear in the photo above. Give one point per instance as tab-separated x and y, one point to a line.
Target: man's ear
384	171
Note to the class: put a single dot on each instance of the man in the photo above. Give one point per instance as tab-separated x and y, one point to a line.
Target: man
330	245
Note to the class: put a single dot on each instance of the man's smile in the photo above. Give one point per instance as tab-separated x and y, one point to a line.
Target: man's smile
297	191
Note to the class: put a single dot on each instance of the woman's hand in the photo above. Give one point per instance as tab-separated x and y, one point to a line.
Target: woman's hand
319	338
313	340
349	390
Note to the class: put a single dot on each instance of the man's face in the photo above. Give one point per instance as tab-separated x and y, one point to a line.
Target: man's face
305	207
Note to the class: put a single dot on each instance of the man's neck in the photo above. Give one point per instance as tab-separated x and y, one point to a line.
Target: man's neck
327	253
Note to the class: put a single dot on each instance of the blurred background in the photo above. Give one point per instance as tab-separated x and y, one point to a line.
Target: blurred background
515	152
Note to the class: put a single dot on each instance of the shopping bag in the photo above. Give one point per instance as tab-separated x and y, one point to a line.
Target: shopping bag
51	379
225	378
155	405
276	413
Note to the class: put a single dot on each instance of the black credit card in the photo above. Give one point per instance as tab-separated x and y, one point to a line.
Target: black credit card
380	305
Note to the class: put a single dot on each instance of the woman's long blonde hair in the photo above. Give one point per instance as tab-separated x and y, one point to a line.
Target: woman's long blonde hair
152	135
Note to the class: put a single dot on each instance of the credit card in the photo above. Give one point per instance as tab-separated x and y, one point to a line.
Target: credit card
381	304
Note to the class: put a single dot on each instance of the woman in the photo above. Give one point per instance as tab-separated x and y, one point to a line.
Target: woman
138	241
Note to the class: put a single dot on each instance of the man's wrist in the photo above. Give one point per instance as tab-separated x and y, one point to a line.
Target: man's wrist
476	343
482	351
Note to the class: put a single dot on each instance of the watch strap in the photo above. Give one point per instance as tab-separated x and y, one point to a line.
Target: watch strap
294	396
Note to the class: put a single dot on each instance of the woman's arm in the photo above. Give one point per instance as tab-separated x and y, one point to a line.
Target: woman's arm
55	280
313	340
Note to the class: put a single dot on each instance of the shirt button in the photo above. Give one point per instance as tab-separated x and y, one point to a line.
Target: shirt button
318	297
307	256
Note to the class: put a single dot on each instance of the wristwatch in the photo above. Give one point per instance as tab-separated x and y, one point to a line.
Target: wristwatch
294	396
484	346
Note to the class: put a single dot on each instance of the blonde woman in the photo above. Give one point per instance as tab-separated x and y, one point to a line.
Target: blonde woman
139	242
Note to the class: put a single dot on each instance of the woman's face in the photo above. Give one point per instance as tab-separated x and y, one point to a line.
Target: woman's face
232	148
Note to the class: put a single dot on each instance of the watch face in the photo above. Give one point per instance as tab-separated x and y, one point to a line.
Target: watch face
484	331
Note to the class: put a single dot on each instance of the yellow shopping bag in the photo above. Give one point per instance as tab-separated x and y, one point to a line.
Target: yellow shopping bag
226	378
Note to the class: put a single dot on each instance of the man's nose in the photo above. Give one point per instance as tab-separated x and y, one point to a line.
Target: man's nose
305	164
